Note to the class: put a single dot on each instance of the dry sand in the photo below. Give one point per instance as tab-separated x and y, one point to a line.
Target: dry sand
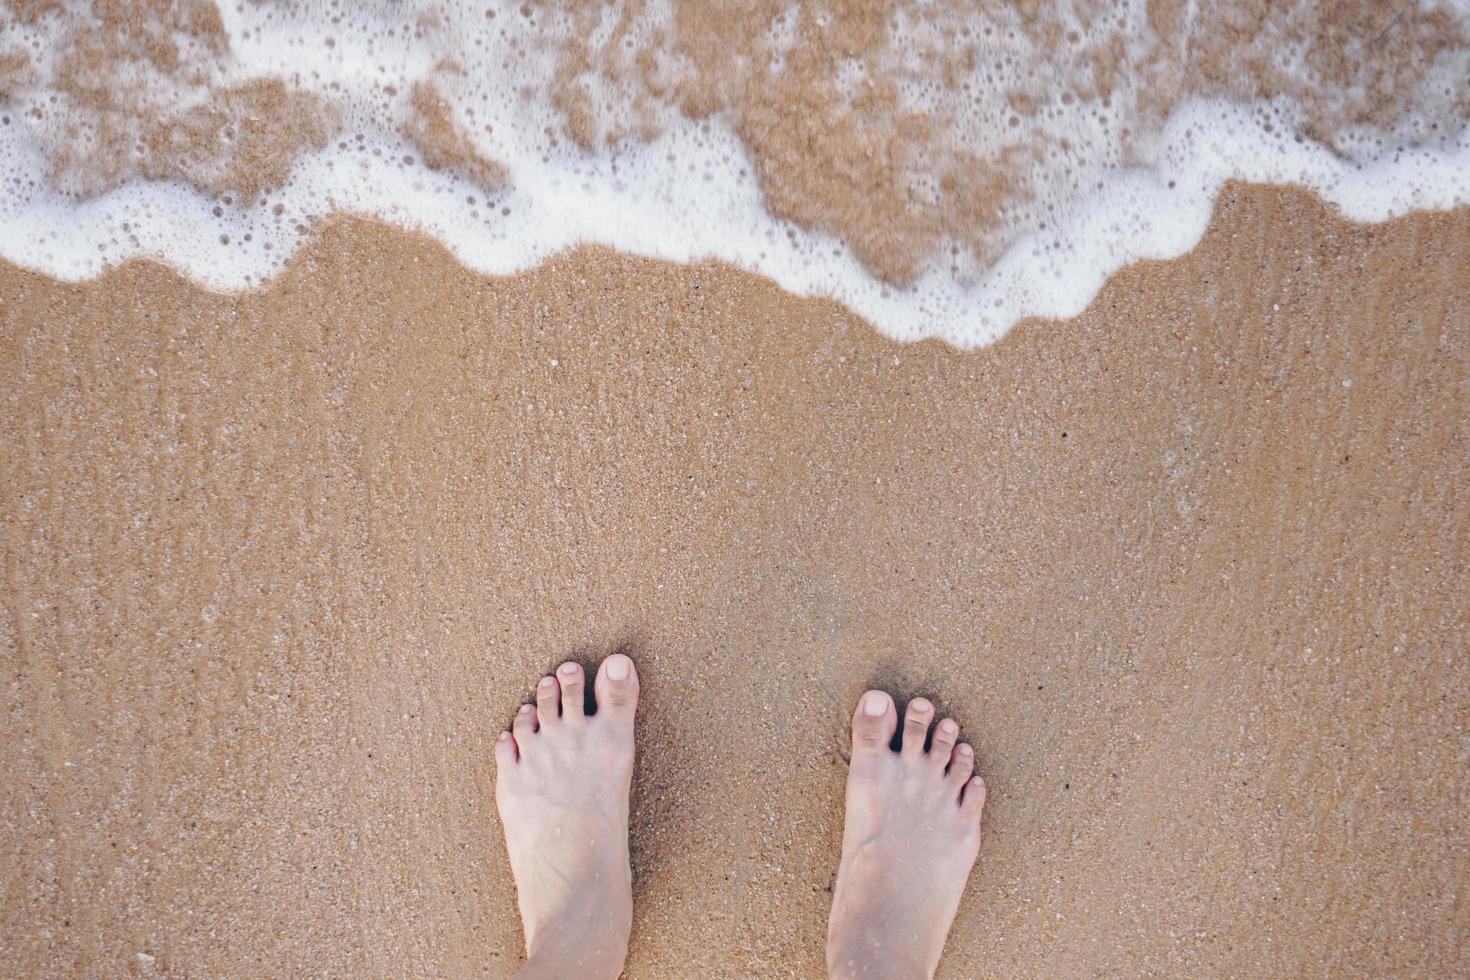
1190	569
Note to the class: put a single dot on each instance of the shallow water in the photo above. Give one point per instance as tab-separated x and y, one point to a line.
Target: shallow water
945	170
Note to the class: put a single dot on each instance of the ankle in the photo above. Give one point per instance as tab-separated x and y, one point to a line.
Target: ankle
575	959
869	959
583	943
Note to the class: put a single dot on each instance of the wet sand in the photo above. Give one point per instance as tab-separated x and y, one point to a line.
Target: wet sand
1190	569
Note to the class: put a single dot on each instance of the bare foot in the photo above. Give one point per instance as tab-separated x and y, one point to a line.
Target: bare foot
561	783
910	839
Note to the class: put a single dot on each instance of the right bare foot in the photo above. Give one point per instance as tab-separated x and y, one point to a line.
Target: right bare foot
561	784
910	838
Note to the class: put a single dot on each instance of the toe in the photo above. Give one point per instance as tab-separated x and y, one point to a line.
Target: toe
916	726
616	687
505	751
942	746
961	766
873	722
569	676
524	725
548	698
974	799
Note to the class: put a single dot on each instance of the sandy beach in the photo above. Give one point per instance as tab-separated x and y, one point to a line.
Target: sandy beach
1191	570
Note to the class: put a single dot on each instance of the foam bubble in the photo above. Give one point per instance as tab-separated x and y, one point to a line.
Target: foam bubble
540	152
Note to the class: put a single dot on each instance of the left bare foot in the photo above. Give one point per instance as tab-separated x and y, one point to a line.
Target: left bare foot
561	785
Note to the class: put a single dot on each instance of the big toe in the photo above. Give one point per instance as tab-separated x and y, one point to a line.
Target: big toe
616	687
874	722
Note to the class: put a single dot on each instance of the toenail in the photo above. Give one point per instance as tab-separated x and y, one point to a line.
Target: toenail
617	668
547	683
504	736
948	727
965	749
875	703
920	705
567	670
525	709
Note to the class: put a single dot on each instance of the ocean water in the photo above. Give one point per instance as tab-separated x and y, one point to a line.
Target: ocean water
944	169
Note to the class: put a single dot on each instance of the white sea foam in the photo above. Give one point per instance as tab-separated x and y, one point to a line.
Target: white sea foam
686	194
